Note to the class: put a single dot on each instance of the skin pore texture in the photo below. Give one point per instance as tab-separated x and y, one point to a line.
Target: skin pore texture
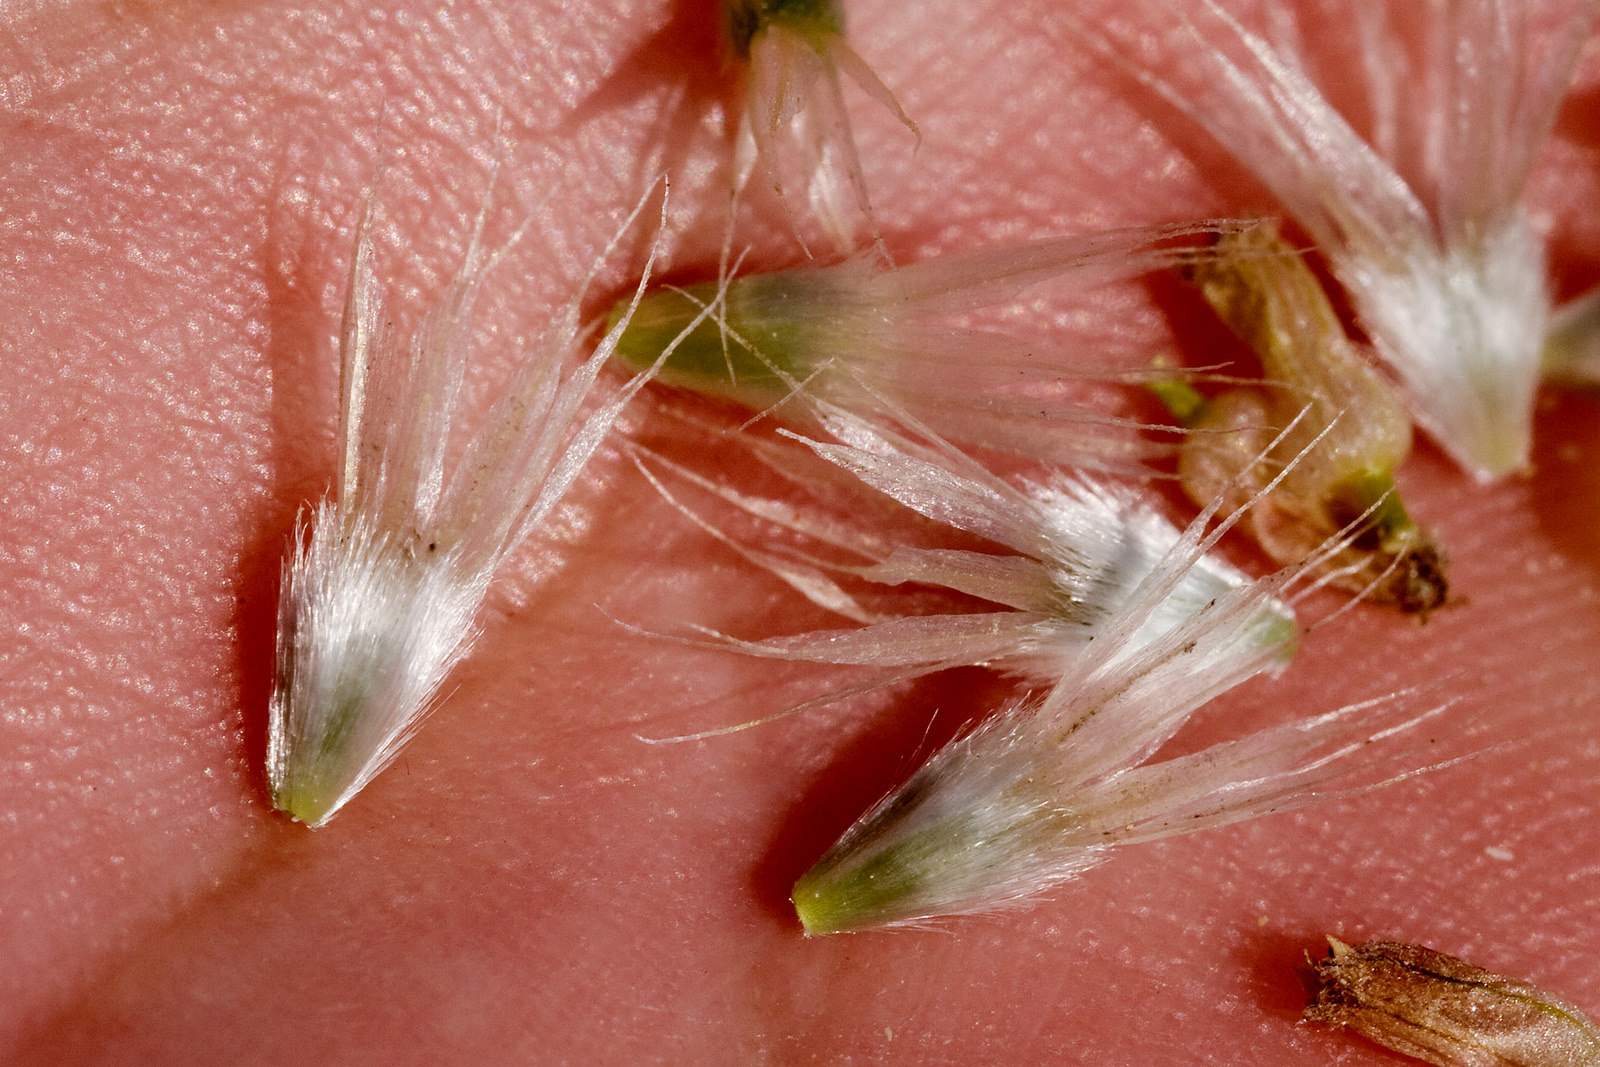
530	882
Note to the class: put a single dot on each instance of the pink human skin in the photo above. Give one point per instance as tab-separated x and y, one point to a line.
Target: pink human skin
531	883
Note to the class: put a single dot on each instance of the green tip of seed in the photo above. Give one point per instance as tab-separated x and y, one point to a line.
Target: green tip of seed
1279	630
816	21
815	907
879	875
831	901
1372	491
302	808
658	321
299	791
1181	399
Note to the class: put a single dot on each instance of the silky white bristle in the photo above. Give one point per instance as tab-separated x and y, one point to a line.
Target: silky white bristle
1070	554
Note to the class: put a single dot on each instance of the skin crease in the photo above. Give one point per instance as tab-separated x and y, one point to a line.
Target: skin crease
530	882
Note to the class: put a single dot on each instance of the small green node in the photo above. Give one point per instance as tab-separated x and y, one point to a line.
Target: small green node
1184	401
816	20
301	804
1391	524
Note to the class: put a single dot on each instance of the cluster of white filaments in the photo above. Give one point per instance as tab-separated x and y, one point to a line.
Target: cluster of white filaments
1066	557
1122	624
1422	223
1116	623
380	598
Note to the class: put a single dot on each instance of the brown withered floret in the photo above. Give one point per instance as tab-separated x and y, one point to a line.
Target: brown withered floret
1316	374
1445	1011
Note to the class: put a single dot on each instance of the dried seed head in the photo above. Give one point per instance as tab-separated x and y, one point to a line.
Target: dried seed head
1437	1008
1327	409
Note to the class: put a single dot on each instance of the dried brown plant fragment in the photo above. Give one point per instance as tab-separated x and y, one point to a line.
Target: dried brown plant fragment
1325	409
1445	1011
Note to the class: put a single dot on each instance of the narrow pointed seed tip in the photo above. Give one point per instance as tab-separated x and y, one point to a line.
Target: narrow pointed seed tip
814	907
829	900
303	808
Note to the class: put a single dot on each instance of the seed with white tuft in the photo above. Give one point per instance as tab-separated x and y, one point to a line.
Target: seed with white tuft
875	338
380	598
1043	791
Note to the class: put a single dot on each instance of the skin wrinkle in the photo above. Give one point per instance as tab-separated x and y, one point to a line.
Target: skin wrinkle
530	881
